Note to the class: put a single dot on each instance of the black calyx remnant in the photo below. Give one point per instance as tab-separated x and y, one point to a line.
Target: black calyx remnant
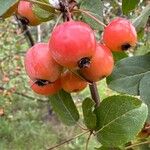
24	20
125	47
41	82
84	62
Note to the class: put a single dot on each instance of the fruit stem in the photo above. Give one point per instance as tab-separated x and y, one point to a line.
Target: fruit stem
94	93
91	16
77	73
88	140
25	30
64	8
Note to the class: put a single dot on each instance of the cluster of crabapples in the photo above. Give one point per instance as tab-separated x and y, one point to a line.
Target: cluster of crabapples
73	58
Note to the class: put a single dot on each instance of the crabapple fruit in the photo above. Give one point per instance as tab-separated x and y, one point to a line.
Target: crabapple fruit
101	65
72	44
120	35
40	65
25	11
72	83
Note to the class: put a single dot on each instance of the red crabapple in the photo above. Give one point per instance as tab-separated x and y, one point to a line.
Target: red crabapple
101	65
40	65
25	10
72	44
120	35
72	83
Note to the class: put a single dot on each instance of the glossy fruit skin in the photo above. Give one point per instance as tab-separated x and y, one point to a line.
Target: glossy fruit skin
120	35
49	89
39	64
101	65
25	10
72	83
70	42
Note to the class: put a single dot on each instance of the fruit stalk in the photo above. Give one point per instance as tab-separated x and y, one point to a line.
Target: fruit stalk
22	24
94	94
64	8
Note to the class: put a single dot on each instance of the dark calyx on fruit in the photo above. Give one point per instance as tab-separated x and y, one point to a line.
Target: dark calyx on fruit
41	82
23	20
84	62
125	47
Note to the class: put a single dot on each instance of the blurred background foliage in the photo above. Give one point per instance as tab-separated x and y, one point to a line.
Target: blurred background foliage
26	119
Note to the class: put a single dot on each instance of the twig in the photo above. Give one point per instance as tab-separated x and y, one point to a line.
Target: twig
58	145
137	144
24	28
87	142
90	15
94	93
64	8
77	73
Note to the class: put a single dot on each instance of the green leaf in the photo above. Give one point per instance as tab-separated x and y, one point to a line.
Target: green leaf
141	21
145	91
95	8
140	34
128	73
89	116
63	105
5	5
44	13
119	120
118	56
128	5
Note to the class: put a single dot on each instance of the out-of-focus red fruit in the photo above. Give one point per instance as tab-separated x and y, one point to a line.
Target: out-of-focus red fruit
40	65
72	44
120	35
25	10
46	89
72	83
101	65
